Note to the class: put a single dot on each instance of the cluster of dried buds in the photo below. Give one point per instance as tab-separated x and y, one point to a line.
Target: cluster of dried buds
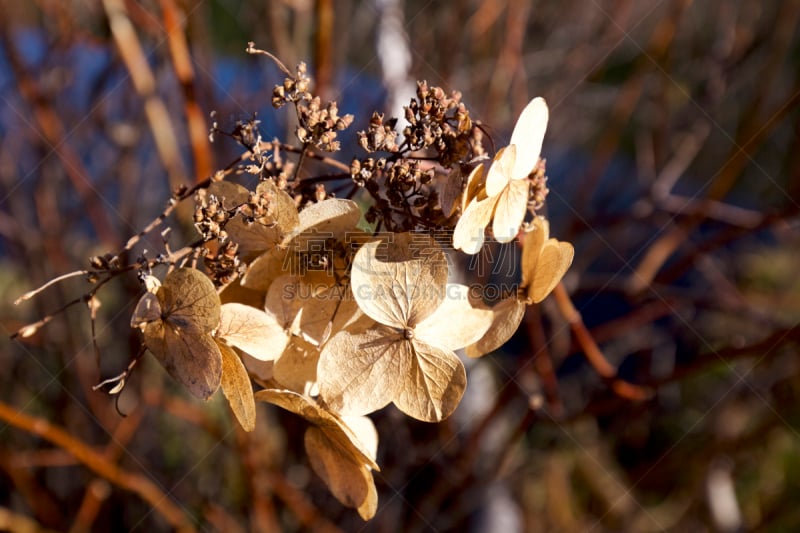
220	253
223	263
538	186
436	120
398	187
294	89
380	136
210	217
271	164
245	132
317	124
439	129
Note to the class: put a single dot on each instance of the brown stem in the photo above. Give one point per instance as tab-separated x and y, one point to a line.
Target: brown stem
324	45
100	465
308	515
593	353
130	49
309	153
182	61
542	360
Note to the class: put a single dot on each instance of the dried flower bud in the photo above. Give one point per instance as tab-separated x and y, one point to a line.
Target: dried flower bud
320	193
344	122
97	262
363	141
411	118
355	167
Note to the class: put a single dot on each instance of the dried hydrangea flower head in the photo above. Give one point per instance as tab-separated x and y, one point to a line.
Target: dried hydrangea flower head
403	353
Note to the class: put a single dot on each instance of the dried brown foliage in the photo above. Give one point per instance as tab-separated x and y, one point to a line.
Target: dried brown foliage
654	390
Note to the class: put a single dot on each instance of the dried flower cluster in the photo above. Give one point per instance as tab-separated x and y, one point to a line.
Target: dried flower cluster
333	319
439	139
317	125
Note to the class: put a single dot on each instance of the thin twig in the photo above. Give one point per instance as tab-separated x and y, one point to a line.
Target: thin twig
172	258
30	294
251	49
265	145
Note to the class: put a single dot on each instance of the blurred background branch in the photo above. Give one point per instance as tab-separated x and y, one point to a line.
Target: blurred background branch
658	389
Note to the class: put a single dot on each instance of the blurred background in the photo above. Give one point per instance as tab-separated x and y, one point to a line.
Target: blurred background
673	153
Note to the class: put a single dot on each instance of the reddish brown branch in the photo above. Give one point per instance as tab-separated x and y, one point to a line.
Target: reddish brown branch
144	82
182	61
308	515
592	351
100	465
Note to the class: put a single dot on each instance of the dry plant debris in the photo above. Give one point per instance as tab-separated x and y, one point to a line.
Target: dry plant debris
330	317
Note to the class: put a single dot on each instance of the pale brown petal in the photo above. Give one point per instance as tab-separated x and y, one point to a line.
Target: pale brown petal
455	324
253	238
283	211
506	317
235	292
470	228
499	174
349	481
237	388
334	450
265	232
528	136
261	371
252	331
319	312
269	266
296	368
475	183
284	299
432	381
232	195
333	216
532	242
544	260
399	280
187	296
359	373
449	189
180	338
313	297
512	204
364	436
554	260
147	310
345	437
189	355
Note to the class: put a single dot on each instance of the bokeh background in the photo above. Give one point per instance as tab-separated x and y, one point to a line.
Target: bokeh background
673	153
